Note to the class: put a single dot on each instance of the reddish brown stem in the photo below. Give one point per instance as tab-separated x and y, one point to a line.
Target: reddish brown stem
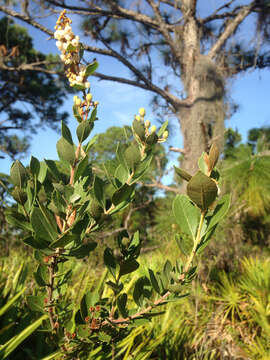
50	288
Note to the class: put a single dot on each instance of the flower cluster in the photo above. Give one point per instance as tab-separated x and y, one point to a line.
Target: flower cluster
70	47
148	128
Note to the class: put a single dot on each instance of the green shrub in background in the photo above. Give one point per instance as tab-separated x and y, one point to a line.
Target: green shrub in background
60	213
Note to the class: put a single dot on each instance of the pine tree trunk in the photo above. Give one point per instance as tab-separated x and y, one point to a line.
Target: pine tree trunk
202	122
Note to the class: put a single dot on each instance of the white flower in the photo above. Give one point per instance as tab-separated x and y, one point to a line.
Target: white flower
61	33
75	42
68	37
68	29
79	79
59	44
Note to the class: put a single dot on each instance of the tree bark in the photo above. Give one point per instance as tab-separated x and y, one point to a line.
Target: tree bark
202	120
202	123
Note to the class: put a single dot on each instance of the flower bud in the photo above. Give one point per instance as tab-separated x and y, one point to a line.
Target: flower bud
142	112
89	98
77	100
165	134
96	103
147	124
153	128
87	84
138	118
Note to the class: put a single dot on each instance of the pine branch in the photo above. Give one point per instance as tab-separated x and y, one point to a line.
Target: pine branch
32	67
163	28
159	185
116	12
26	19
231	28
171	3
225	15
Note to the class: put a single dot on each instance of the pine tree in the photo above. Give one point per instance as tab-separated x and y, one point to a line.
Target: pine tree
199	48
30	94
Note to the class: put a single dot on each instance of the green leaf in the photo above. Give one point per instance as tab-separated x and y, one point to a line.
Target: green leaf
121	173
36	242
163	128
183	174
117	288
128	266
83	331
186	214
104	337
93	116
91	68
34	166
142	289
175	288
154	281
76	114
83	250
151	139
140	322
95	210
65	150
90	298
184	243
42	172
14	342
109	261
121	304
66	134
18	220
91	143
132	156
120	154
83	130
134	245
142	168
123	194
18	174
139	129
78	87
53	169
19	195
36	303
202	190
71	48
64	240
213	156
83	169
205	240
41	275
10	303
99	191
167	270
219	213
202	164
43	223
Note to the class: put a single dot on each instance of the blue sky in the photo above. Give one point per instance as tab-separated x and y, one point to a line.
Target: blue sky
119	103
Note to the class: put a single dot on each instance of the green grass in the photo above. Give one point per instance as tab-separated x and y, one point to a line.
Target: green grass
228	315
